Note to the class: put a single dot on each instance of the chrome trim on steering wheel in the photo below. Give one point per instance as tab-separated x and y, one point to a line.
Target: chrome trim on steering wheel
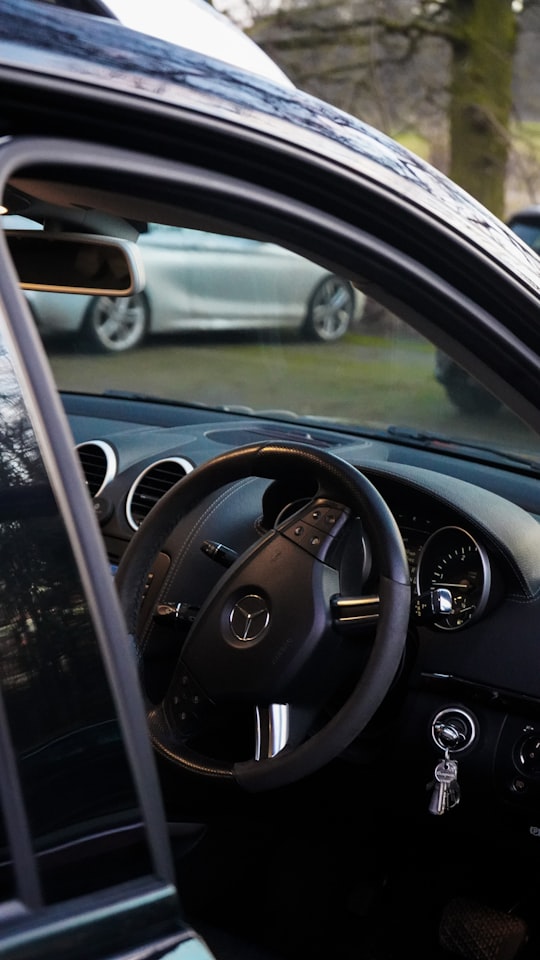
274	733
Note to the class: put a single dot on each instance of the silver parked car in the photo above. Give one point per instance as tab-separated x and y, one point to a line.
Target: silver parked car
198	281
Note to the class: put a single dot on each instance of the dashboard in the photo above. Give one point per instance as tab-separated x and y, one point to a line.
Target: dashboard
471	680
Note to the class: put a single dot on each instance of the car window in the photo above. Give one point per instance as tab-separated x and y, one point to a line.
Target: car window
228	321
230	317
70	768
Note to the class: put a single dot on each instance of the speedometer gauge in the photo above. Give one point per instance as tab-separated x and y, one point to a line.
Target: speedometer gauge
453	566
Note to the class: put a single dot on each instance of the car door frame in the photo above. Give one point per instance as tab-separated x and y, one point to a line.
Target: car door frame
149	907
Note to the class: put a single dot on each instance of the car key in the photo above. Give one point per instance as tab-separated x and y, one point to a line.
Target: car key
453	791
446	789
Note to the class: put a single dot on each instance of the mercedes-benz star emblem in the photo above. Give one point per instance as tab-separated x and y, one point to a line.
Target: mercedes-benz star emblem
249	618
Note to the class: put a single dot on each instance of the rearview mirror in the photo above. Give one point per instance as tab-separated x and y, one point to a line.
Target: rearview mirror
75	263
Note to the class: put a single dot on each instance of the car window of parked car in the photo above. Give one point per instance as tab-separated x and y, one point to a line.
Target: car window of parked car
529	231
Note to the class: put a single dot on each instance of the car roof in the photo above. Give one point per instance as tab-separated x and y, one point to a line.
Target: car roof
40	43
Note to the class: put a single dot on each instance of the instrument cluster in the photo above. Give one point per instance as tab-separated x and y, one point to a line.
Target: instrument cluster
452	575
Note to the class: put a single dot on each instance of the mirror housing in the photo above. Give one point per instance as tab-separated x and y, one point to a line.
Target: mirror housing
75	263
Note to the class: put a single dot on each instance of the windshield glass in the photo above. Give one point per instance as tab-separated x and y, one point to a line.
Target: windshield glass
227	321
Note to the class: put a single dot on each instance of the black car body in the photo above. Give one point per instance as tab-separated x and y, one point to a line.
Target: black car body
270	609
462	388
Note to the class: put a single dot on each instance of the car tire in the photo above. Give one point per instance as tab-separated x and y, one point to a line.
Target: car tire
116	324
330	310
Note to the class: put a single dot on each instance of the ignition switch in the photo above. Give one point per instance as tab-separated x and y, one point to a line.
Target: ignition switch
453	729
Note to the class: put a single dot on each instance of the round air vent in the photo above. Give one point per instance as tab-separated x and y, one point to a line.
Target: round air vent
99	464
151	485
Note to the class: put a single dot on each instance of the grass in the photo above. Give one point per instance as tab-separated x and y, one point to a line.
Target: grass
356	377
362	379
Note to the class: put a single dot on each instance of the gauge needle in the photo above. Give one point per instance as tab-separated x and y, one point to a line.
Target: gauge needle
459	586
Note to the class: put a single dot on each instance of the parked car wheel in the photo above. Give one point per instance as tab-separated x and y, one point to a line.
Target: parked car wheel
330	310
114	324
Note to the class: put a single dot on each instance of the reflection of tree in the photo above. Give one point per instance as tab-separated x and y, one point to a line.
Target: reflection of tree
45	629
72	763
19	457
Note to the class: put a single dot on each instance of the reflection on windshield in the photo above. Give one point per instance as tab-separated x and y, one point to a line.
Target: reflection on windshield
226	321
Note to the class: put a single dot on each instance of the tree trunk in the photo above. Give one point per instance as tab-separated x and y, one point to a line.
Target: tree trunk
381	44
484	34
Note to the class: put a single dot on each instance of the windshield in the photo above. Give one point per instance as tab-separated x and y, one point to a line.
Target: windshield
228	321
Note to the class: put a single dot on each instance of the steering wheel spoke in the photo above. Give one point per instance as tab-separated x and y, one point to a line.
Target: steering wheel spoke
352	613
272	729
282	725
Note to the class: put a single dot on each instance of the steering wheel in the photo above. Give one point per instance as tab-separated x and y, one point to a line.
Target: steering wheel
275	632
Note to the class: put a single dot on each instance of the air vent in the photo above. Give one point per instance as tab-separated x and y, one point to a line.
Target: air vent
151	485
99	464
